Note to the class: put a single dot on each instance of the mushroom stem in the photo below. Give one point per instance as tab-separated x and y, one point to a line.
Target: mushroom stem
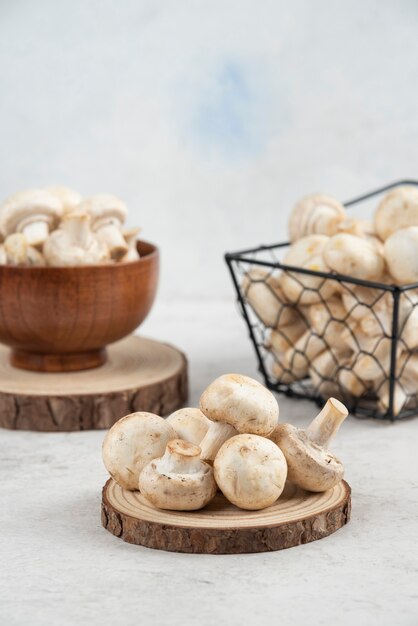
16	247
110	234
36	231
77	227
3	255
180	457
326	424
217	434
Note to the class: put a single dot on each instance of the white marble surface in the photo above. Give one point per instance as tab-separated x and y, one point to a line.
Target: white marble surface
60	567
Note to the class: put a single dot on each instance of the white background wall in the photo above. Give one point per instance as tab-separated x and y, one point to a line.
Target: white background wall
208	118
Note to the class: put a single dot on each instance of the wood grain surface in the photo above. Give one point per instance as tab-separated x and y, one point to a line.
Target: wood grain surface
298	517
139	375
61	318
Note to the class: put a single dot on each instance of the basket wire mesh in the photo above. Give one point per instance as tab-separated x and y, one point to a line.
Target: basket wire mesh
354	339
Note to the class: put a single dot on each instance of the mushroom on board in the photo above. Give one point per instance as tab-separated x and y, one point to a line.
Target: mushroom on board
131	443
108	213
33	212
236	404
190	424
302	289
353	256
316	214
250	471
179	480
262	290
397	210
310	465
401	254
69	198
74	244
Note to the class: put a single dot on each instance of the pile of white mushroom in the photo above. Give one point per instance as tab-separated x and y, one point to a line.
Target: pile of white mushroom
55	226
233	442
335	332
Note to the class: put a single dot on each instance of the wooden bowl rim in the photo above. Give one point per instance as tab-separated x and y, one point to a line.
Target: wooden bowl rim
151	255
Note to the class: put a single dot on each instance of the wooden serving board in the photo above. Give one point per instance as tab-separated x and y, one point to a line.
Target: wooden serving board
296	518
139	375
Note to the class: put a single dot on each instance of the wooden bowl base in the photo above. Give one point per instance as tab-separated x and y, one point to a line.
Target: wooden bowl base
298	517
138	375
74	362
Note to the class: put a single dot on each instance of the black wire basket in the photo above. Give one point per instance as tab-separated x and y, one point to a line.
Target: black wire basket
361	347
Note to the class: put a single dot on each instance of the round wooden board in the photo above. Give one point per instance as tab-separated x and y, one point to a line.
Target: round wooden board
296	518
139	375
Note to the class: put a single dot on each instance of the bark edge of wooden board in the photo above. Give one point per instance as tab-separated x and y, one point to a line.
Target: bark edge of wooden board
298	517
140	375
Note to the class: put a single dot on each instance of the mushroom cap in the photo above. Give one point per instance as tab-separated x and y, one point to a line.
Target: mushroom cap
317	213
190	424
398	209
310	466
104	205
131	443
69	198
189	489
307	253
353	256
74	243
401	253
250	471
19	207
241	402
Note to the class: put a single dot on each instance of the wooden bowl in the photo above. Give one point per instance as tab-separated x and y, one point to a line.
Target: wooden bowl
60	319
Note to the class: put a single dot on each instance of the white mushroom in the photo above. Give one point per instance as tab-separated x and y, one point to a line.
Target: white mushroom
397	210
298	358
307	253
179	480
353	256
324	369
285	337
236	404
350	382
281	373
74	244
329	320
16	249
108	213
250	471
401	255
379	320
310	465
131	443
315	214
33	212
3	255
69	198
374	359
262	291
359	300
405	385
130	235
190	424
